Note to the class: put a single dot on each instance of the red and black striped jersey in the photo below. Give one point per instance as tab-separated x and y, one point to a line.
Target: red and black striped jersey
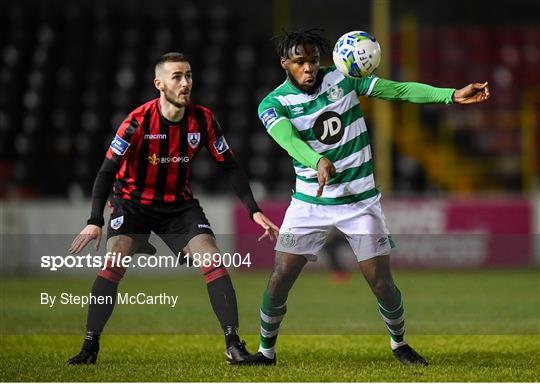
154	154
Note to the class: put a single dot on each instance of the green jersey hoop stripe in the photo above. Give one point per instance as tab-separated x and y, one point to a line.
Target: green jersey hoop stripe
354	160
347	149
349	174
336	201
336	190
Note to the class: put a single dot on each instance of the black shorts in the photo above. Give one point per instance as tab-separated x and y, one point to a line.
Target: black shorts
176	226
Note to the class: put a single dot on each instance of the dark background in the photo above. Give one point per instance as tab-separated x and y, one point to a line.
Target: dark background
71	71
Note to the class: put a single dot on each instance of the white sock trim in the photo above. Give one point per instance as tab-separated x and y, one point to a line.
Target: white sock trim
395	344
267	352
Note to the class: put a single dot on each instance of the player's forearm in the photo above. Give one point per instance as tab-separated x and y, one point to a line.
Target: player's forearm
101	191
289	139
239	180
418	93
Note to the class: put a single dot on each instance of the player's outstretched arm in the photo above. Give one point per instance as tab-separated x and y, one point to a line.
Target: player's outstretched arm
288	138
472	94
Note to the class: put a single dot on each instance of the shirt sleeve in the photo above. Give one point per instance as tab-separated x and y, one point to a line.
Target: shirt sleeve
412	92
271	112
215	141
276	121
286	135
364	86
126	135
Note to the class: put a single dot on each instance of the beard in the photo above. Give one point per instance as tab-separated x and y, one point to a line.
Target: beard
171	98
306	88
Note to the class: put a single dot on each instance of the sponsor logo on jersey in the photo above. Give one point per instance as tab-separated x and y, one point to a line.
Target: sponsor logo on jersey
328	127
155	160
194	139
382	241
297	110
335	93
221	145
287	239
119	145
203	226
155	136
117	222
268	117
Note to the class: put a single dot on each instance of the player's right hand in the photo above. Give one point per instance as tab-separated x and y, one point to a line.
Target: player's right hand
89	233
325	170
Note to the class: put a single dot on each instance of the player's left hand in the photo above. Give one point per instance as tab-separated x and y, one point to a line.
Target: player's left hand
270	229
471	94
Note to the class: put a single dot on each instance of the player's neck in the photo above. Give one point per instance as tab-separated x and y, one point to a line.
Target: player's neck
170	111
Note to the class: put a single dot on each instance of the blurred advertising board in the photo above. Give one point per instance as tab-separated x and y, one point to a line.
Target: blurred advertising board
430	233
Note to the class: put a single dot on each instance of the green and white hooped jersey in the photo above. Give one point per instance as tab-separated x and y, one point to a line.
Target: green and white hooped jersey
331	122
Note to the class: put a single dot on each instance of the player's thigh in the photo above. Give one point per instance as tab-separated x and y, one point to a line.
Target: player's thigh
202	243
304	229
178	229
127	220
121	245
364	226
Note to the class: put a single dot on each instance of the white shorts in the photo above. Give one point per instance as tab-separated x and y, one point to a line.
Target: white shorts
306	226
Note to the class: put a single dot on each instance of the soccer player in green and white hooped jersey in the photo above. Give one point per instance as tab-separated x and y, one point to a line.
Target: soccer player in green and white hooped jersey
315	116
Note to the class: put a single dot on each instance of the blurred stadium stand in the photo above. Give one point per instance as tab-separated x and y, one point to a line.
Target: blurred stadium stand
69	73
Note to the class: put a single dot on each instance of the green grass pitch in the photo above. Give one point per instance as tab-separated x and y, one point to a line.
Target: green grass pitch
470	325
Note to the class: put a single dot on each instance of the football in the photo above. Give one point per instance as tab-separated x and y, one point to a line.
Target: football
357	54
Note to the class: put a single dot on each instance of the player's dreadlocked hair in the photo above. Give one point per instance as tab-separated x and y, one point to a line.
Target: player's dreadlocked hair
290	40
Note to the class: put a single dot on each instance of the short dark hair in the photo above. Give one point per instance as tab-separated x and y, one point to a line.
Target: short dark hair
172	57
289	40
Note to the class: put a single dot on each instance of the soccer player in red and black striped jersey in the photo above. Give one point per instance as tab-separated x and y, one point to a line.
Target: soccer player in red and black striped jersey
148	164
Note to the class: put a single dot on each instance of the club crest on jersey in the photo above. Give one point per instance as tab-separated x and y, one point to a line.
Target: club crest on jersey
221	145
194	138
335	93
117	222
268	117
119	145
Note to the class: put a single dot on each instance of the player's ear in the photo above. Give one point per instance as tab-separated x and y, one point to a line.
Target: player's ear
283	62
158	84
